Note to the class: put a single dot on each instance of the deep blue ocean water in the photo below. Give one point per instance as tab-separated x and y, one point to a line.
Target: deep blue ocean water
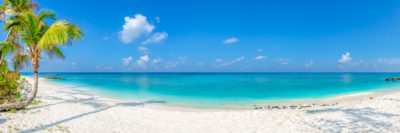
226	89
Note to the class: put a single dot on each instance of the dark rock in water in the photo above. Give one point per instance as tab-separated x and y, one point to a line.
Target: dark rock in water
293	107
50	74
55	78
276	107
284	107
371	98
257	107
392	79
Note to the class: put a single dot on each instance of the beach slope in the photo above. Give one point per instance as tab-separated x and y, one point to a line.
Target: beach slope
74	109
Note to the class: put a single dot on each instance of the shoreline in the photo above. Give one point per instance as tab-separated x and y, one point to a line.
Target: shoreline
72	108
329	100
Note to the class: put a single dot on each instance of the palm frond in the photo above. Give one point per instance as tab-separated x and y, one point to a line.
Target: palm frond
60	32
54	52
37	37
7	48
20	60
46	14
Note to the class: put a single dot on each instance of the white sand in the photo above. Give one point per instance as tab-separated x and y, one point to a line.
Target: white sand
72	109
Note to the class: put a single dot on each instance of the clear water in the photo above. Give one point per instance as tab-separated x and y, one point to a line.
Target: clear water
226	89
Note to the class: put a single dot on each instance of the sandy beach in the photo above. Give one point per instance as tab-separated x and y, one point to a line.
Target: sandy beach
73	109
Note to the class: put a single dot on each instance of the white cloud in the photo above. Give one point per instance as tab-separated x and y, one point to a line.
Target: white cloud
309	64
261	57
134	28
260	50
230	40
155	61
283	61
219	60
127	61
233	61
143	60
345	58
389	61
181	60
157	19
156	37
73	63
143	49
200	63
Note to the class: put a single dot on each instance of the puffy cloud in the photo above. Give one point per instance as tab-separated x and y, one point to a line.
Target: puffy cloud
181	60
156	37
218	60
233	61
260	50
230	40
345	58
73	63
155	61
200	63
309	64
134	28
127	61
260	57
143	60
143	49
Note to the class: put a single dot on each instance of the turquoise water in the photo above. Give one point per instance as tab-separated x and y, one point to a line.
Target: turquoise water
226	89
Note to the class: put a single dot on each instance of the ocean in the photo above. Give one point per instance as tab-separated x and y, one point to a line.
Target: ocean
226	89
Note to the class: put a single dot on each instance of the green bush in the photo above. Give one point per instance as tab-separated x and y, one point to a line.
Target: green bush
9	91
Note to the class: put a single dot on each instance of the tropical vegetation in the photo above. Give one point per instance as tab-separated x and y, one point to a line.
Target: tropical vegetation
9	91
30	37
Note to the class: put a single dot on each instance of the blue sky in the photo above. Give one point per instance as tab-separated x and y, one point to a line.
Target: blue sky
230	36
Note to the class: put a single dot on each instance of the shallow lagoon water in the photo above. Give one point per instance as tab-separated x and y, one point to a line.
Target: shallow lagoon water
225	89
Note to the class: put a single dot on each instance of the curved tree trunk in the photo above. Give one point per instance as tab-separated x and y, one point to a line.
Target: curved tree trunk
20	105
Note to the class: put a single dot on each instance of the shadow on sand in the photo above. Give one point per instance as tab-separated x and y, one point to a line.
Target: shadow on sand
91	101
2	121
357	120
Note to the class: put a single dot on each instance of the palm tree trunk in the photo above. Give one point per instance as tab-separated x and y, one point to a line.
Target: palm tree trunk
20	105
1	60
35	84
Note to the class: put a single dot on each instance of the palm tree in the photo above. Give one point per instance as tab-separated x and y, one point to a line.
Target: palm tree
13	9
39	39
